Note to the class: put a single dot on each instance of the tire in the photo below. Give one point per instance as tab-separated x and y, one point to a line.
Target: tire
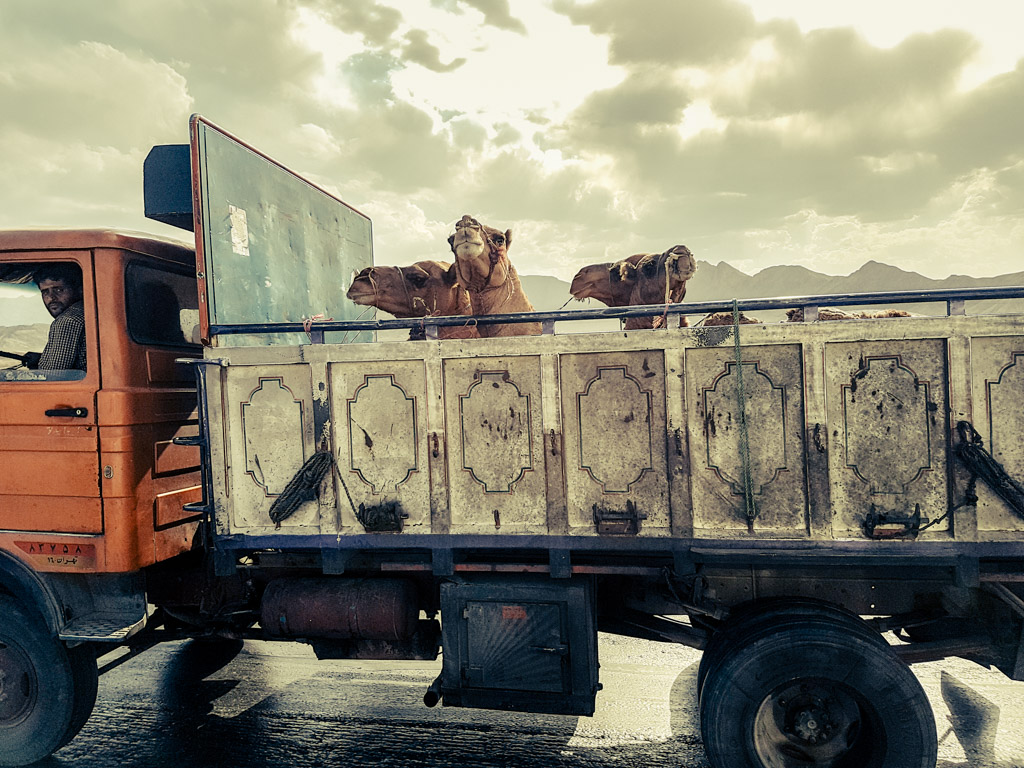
813	693
37	687
750	619
86	681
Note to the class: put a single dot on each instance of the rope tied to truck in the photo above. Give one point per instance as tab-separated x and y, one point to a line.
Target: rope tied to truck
304	486
981	464
750	508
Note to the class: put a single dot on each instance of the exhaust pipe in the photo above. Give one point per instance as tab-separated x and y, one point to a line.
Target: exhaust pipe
433	694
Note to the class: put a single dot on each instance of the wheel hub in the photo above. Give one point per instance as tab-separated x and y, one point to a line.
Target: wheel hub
15	684
811	723
807	723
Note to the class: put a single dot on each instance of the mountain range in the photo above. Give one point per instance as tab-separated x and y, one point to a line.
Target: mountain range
722	281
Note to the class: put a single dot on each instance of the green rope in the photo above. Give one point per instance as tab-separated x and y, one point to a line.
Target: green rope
750	508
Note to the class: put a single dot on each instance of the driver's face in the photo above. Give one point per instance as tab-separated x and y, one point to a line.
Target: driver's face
58	295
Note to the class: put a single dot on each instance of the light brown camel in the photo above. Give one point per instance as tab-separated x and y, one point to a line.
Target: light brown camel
725	318
830	313
484	270
423	289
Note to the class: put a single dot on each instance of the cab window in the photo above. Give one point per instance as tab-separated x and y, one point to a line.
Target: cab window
162	306
42	323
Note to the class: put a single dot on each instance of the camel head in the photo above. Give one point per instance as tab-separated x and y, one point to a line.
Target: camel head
426	288
608	282
661	278
481	253
592	282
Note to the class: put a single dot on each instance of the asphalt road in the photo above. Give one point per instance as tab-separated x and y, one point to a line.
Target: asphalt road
185	704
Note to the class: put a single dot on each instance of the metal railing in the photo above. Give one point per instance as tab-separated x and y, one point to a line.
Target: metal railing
954	298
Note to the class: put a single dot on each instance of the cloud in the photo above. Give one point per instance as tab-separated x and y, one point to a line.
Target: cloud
468	135
625	116
497	14
240	48
823	121
377	24
418	50
71	94
836	72
659	32
985	126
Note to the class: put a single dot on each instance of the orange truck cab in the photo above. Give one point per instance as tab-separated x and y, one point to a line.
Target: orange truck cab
92	486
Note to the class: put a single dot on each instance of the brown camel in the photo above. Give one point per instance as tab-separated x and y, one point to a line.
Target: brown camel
830	313
424	289
594	281
655	279
484	270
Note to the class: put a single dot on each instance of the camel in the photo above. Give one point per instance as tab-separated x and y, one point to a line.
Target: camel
643	278
829	313
484	270
424	289
657	279
725	318
594	281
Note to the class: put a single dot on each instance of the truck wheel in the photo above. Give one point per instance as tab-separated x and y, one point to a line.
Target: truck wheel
37	687
811	693
749	619
86	681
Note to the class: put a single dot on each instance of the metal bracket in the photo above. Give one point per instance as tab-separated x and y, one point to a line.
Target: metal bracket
560	563
442	562
381	518
887	525
618	522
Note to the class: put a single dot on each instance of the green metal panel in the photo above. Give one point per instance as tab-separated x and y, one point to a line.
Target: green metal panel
274	247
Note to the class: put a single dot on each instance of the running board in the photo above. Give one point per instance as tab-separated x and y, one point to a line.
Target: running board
103	628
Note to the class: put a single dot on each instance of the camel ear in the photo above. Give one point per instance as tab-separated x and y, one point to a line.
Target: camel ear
623	271
508	238
451	277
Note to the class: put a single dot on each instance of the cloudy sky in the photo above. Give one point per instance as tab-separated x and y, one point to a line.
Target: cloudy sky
757	132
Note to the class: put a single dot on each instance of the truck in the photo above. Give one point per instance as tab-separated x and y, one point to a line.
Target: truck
815	505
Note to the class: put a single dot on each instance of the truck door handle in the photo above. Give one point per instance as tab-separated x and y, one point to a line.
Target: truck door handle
77	412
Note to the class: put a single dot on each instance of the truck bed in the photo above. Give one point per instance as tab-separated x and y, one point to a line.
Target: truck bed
632	442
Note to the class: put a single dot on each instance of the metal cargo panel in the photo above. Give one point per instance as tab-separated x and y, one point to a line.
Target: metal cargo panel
614	416
888	422
773	391
379	420
496	457
269	435
998	367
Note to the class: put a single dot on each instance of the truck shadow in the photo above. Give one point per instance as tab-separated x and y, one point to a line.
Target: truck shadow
164	711
974	721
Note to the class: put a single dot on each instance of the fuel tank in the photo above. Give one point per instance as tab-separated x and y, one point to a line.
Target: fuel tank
340	608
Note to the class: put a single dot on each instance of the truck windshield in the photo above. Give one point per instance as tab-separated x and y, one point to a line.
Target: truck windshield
163	307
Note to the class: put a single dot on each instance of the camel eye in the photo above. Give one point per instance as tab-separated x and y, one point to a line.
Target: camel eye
417	280
498	239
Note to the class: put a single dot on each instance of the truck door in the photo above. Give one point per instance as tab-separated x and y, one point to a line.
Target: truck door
49	464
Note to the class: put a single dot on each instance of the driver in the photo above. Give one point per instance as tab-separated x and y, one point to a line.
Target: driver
61	289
